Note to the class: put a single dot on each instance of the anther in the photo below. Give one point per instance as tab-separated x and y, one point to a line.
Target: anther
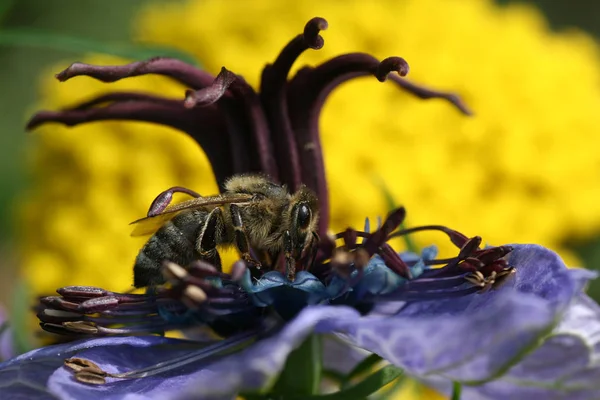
469	247
486	256
90	377
98	304
80	327
476	278
381	235
361	258
81	291
394	262
79	364
193	296
173	272
471	264
341	262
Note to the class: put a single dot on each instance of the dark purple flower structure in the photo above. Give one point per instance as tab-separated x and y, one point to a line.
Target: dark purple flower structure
274	131
472	318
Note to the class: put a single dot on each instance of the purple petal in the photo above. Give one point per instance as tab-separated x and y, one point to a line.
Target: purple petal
212	93
566	365
473	345
339	356
273	90
542	272
249	105
39	373
206	125
477	337
257	367
182	72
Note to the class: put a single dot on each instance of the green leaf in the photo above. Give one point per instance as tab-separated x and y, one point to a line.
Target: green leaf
5	6
49	40
335	376
456	390
391	205
361	390
303	368
394	391
361	368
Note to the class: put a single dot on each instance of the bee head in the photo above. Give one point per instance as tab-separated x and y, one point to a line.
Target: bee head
304	217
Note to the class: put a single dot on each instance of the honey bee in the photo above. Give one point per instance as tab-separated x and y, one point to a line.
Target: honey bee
252	213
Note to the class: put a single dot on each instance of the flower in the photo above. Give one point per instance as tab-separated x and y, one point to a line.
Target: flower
451	338
431	322
434	161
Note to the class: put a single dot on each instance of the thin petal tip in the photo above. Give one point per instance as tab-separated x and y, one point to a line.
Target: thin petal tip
67	73
311	32
390	65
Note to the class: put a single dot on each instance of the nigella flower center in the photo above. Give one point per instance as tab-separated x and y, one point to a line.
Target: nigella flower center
354	274
250	302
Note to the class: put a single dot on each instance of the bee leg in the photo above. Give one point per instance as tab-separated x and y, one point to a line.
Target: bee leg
314	245
163	200
211	235
290	262
265	258
241	240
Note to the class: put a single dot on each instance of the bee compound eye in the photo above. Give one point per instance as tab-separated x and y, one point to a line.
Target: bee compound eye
303	218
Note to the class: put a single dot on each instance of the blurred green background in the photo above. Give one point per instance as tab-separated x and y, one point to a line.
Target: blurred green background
21	62
23	58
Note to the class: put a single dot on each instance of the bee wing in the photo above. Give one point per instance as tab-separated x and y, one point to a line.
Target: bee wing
150	224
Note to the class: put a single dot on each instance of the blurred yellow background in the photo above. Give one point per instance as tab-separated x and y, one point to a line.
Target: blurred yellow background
523	169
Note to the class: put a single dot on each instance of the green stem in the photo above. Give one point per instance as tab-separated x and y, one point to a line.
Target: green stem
303	370
50	40
335	376
456	390
361	390
361	368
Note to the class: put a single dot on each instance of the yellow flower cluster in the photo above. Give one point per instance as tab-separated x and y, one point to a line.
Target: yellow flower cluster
524	169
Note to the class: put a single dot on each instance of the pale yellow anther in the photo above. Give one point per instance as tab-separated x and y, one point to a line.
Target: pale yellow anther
173	272
81	364
341	257
193	296
80	326
90	377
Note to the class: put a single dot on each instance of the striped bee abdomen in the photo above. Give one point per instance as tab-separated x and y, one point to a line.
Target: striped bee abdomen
174	241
